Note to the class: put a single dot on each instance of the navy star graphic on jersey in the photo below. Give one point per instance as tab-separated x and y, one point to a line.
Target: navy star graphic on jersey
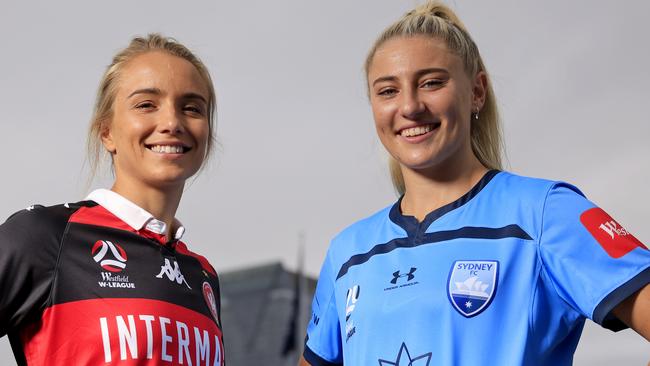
404	358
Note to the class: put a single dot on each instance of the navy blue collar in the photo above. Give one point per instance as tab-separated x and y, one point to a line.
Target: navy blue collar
411	224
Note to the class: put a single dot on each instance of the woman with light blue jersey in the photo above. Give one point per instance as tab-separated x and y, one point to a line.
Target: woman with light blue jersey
472	265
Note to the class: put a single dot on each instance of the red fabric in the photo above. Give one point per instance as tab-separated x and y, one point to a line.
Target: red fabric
182	249
99	216
98	331
616	241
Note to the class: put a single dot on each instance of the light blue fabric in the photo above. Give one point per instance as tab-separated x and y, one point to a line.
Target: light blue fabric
504	276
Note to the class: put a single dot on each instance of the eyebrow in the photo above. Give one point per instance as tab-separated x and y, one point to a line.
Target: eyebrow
418	73
156	91
145	91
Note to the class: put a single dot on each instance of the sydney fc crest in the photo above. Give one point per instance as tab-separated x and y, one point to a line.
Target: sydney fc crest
472	285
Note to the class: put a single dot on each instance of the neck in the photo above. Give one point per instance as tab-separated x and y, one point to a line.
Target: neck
430	189
161	202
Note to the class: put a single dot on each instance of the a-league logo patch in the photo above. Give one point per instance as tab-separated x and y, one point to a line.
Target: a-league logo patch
472	285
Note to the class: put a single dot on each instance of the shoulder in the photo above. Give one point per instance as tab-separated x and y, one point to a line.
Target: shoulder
38	217
363	233
36	223
205	264
530	188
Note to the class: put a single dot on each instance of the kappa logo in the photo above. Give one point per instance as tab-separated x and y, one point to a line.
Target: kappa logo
352	297
404	358
173	273
113	262
614	239
472	285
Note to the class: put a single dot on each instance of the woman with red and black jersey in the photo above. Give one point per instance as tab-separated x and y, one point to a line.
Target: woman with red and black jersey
108	280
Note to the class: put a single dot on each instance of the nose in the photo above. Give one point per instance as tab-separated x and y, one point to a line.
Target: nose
172	121
411	105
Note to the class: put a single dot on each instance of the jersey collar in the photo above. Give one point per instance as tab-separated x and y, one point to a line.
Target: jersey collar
132	214
411	225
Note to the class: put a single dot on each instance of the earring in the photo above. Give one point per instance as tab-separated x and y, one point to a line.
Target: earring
475	115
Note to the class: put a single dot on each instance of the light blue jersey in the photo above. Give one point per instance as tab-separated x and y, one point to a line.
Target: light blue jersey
505	275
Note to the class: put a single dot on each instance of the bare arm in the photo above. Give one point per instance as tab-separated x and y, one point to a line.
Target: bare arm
634	311
303	362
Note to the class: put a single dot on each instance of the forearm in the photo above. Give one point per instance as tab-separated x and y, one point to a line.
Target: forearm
634	312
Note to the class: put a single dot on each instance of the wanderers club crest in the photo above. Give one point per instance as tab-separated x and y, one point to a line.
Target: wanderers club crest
472	285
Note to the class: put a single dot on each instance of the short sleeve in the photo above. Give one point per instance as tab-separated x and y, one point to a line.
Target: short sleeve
591	260
28	252
323	345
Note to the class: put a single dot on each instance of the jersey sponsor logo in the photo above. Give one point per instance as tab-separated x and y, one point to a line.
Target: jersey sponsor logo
351	299
173	273
404	278
150	337
404	358
109	255
208	295
472	285
611	236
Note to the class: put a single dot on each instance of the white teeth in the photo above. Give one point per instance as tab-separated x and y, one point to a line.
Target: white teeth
167	149
416	131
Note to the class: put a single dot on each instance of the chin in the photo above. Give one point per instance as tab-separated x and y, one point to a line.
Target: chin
169	179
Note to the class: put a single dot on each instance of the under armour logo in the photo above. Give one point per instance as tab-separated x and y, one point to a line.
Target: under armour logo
172	273
409	276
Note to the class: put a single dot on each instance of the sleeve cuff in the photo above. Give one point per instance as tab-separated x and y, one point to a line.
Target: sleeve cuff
602	314
316	360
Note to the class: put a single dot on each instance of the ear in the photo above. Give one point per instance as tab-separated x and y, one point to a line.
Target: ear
479	91
107	138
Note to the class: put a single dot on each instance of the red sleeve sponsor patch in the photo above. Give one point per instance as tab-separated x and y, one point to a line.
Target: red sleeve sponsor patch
616	241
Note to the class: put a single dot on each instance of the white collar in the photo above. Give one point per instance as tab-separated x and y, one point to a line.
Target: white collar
132	214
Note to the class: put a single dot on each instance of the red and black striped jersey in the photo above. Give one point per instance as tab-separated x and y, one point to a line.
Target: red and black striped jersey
99	284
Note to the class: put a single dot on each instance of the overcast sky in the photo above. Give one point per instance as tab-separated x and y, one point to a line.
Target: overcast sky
298	151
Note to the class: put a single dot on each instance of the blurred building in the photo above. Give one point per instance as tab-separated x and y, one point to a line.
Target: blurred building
265	311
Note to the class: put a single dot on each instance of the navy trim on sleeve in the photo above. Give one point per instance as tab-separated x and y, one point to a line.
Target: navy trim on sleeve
316	360
602	313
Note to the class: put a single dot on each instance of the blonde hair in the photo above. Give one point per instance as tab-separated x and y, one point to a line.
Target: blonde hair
436	20
103	111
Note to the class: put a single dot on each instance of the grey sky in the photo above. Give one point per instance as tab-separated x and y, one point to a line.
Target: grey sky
298	151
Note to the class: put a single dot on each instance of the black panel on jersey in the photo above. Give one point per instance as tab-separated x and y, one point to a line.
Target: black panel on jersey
79	275
29	247
468	232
